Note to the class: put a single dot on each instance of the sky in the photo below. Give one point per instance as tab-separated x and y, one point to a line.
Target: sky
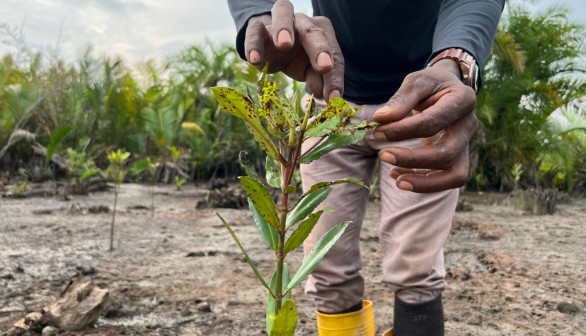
137	29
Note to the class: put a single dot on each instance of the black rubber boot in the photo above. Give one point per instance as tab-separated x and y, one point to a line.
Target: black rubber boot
420	319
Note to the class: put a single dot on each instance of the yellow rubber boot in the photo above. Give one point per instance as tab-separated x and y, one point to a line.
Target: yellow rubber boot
359	323
388	332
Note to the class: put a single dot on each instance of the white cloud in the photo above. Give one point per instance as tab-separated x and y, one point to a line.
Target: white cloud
131	29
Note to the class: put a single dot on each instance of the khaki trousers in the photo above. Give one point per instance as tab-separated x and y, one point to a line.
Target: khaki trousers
412	230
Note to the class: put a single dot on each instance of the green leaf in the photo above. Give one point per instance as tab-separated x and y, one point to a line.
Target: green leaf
248	260
235	103
317	253
56	138
271	302
318	186
261	199
268	233
247	165
91	172
139	167
273	174
286	320
298	236
324	128
332	142
307	204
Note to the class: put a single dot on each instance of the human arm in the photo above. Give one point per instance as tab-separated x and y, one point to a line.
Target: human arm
302	47
445	106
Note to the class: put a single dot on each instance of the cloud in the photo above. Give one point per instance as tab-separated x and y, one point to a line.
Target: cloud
137	29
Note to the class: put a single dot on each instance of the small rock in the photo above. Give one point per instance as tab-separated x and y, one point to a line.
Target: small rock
461	273
74	209
86	270
489	232
195	254
97	209
49	331
30	322
204	307
567	308
42	212
8	276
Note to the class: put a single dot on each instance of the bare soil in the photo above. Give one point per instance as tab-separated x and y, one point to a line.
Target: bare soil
180	273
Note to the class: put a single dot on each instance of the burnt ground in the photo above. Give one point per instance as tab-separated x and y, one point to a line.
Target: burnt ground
179	273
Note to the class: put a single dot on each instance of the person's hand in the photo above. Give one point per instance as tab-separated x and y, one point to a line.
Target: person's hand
443	114
302	47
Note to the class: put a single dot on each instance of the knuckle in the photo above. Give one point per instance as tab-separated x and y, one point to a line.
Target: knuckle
338	58
430	125
308	26
398	97
322	21
446	157
461	175
311	29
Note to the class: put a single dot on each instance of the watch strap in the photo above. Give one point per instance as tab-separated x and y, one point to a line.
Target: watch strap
467	64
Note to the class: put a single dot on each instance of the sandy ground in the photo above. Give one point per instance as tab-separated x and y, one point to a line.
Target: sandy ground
179	273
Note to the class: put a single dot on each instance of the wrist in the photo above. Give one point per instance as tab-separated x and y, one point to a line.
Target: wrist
449	65
468	68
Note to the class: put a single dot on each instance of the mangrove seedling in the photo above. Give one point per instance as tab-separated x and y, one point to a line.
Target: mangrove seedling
280	126
117	172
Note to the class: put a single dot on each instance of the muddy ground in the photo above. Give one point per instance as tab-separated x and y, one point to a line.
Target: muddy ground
179	273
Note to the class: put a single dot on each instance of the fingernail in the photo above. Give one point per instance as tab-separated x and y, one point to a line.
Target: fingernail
334	94
382	110
284	37
394	174
324	60
254	56
379	136
388	157
404	185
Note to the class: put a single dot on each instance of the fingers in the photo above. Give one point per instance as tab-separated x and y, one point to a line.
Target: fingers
283	24
255	38
442	103
426	181
314	82
315	42
414	89
334	79
304	48
439	166
440	154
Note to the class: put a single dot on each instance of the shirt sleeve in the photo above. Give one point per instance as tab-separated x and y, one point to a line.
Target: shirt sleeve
468	24
242	11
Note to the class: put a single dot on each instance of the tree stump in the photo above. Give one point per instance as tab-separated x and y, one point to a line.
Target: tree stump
78	308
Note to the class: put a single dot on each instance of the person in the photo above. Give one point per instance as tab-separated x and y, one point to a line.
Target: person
413	67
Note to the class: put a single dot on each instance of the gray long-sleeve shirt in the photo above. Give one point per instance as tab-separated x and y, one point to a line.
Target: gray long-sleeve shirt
383	41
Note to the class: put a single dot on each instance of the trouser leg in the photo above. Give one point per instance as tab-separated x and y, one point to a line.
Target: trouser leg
413	230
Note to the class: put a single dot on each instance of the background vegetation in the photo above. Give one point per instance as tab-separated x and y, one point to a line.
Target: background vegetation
532	110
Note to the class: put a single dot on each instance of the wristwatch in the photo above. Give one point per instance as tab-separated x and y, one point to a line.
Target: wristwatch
468	67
